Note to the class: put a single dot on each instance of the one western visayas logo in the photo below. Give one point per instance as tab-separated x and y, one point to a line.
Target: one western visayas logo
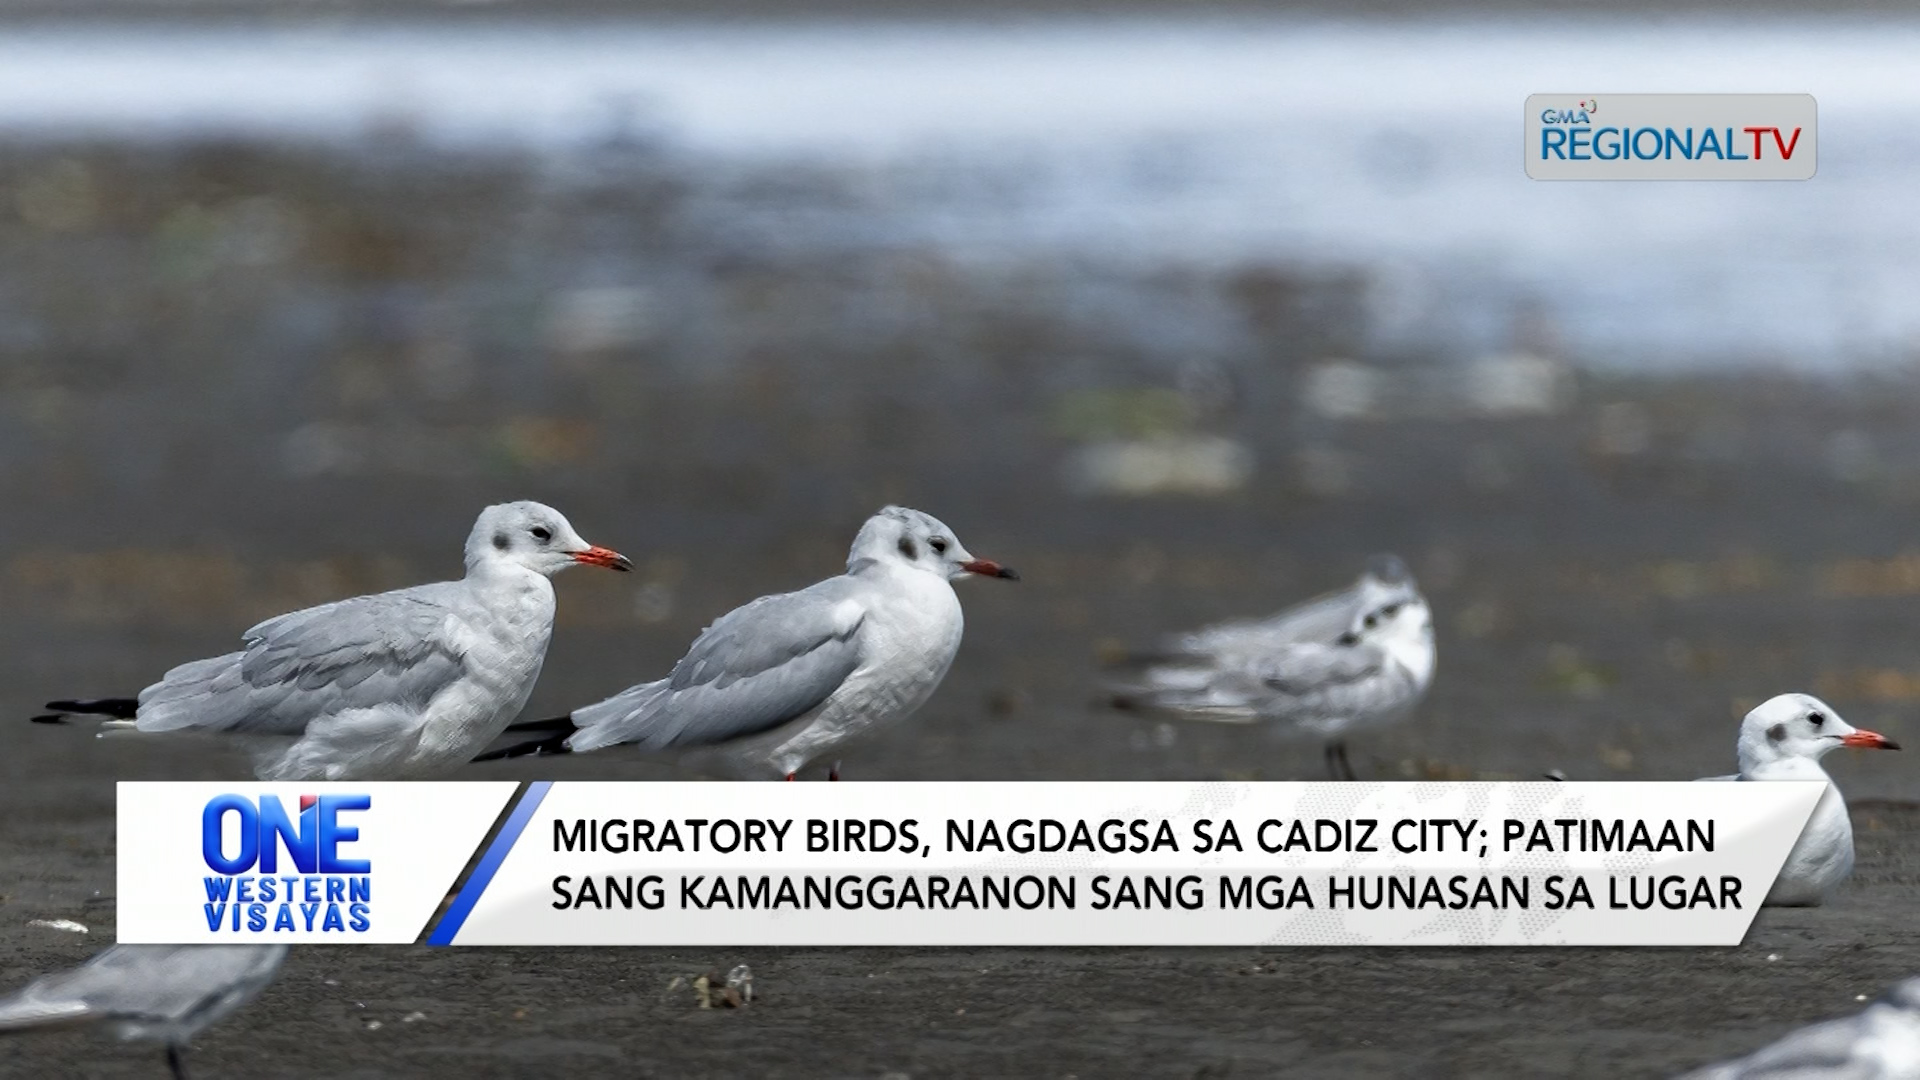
285	872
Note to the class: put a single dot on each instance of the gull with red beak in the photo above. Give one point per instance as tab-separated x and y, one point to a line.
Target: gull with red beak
391	686
782	681
1784	739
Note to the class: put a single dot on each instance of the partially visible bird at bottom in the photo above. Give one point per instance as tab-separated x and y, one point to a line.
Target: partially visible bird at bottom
1881	1043
151	993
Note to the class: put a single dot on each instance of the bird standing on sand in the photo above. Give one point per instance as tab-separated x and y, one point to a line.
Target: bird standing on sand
785	679
154	993
399	684
1338	664
1784	739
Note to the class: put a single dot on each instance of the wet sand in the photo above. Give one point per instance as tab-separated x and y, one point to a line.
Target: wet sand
202	445
1619	643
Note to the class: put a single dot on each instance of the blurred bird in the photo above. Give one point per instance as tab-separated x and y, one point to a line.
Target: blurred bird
153	993
399	684
1784	739
1882	1043
1334	665
787	678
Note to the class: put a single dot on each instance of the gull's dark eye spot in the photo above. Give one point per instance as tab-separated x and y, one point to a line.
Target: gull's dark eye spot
938	544
500	541
908	548
542	533
1816	719
1372	621
1777	732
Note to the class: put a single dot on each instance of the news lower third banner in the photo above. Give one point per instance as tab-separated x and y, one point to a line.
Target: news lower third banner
1098	863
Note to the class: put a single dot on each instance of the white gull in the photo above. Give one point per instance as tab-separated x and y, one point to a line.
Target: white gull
1329	667
1784	739
395	685
781	681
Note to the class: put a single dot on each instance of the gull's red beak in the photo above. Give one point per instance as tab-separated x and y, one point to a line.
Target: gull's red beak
989	568
1868	740
607	557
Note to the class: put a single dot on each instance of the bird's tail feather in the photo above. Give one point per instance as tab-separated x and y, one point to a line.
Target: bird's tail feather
120	708
551	723
117	708
1191	702
22	1013
1191	686
622	718
550	737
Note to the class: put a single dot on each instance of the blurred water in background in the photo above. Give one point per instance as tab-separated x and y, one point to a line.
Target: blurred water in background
1389	147
1183	317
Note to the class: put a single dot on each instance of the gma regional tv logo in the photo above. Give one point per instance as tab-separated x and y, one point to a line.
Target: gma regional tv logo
1670	137
279	870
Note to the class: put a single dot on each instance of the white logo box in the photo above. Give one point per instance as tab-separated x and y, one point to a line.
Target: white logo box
1671	137
398	848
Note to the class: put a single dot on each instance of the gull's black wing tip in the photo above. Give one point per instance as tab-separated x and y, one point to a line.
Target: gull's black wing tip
119	708
558	728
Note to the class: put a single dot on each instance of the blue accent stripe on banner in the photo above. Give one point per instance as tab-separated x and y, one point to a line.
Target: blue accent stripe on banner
482	875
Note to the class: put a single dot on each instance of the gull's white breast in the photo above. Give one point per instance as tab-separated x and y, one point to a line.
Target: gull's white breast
912	631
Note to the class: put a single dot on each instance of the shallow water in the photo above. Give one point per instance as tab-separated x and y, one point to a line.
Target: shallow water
1389	146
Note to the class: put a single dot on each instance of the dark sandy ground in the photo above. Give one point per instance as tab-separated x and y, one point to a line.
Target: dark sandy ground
191	440
1610	619
364	1012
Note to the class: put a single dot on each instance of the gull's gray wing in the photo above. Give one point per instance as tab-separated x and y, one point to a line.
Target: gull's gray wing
1313	685
1320	619
396	648
163	986
756	668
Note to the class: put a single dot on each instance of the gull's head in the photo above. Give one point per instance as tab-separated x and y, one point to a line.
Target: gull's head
535	537
1390	602
1396	618
1799	726
1390	613
908	539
